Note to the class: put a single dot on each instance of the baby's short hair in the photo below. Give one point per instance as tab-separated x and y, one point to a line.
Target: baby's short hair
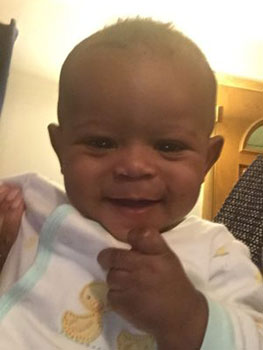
146	35
156	36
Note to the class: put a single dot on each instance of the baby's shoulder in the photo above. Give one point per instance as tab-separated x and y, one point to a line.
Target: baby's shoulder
216	234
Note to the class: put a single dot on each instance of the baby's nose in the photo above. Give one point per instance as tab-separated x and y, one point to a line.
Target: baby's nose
135	163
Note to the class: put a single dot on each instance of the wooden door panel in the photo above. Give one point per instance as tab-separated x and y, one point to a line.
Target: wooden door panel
241	108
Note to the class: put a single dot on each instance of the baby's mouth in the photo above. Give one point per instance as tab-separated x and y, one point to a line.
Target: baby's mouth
133	203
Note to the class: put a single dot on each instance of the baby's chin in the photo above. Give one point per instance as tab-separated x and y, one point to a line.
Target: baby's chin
120	230
121	233
117	231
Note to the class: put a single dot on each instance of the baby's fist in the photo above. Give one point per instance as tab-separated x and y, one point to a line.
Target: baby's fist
148	286
11	211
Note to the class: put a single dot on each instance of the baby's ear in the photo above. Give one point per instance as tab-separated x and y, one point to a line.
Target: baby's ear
56	139
214	150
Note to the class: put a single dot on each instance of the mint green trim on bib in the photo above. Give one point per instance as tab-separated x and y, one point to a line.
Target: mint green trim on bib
219	333
35	272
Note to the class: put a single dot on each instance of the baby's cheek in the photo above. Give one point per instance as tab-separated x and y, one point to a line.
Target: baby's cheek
182	201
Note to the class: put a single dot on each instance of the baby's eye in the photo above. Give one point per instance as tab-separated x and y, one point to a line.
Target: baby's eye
170	146
101	143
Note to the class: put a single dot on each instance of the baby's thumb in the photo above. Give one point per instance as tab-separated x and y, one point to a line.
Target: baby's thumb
147	241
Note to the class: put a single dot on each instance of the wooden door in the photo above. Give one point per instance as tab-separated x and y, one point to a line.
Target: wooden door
240	112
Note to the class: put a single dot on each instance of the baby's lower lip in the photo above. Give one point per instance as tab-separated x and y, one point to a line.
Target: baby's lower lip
132	203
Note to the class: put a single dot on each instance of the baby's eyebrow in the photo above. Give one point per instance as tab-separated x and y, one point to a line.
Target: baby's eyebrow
87	121
94	125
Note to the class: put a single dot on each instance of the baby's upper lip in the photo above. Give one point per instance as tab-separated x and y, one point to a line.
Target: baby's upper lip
134	198
133	201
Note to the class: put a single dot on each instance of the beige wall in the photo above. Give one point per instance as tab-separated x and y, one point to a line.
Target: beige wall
29	106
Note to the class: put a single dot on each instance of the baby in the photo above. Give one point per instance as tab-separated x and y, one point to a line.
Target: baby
136	111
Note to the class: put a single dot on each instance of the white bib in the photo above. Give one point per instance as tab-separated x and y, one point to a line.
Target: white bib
60	302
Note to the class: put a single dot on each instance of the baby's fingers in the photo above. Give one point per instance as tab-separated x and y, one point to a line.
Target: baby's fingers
148	241
11	211
10	198
9	225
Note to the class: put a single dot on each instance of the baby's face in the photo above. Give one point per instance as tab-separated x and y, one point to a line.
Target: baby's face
134	146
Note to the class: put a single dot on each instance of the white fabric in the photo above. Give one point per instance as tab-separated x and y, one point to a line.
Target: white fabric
41	198
216	263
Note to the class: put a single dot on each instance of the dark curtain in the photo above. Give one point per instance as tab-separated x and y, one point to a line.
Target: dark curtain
8	34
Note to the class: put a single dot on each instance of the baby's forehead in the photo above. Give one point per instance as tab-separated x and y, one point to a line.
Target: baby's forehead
100	63
88	55
101	80
136	39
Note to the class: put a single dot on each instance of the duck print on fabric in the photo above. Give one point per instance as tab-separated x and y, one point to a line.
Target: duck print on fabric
87	327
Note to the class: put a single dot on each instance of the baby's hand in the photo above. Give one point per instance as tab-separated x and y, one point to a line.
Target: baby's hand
149	288
11	211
